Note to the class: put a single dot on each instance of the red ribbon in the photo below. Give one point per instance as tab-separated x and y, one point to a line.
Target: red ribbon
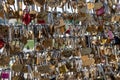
67	32
2	44
26	18
41	21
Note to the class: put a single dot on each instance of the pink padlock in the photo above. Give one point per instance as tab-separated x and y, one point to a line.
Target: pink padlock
110	35
5	75
100	11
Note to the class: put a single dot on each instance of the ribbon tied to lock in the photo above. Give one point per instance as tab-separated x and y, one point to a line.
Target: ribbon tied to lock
26	17
1	43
